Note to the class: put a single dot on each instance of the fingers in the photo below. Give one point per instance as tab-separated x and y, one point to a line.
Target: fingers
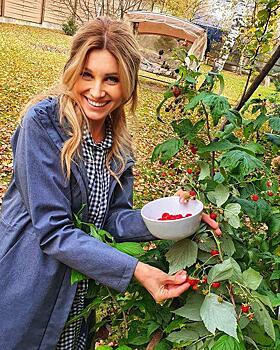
184	196
179	278
212	223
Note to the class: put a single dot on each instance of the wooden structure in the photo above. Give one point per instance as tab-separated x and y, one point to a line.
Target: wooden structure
45	13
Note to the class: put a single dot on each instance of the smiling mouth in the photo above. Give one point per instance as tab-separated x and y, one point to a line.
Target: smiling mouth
97	104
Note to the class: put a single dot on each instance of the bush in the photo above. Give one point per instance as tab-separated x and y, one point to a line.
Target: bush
70	27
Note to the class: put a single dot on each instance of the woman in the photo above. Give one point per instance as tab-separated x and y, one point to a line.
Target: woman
73	151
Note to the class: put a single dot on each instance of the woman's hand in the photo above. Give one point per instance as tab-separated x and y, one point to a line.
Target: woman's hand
184	197
159	284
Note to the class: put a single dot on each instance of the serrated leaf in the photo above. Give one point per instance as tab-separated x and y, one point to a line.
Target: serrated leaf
223	145
252	278
263	298
130	248
163	345
217	315
274	224
186	130
263	317
274	123
181	255
204	171
167	149
183	336
123	347
104	347
221	194
195	101
227	244
234	117
275	139
191	309
151	327
225	342
228	269
258	211
244	162
231	214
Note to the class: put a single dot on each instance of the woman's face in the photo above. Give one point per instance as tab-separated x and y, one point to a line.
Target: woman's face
98	88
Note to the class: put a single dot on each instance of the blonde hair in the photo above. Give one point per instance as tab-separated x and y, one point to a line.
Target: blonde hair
116	37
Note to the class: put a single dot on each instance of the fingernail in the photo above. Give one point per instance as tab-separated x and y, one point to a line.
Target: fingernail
185	201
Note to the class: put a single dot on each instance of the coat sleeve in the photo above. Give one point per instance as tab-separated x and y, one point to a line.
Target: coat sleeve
47	197
123	222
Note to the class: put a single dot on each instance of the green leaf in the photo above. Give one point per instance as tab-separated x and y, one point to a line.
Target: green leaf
163	345
227	244
228	269
234	117
186	130
218	105
204	171
226	342
275	275
274	123
240	161
263	317
183	253
151	327
259	211
274	224
191	309
217	146
195	101
217	315
77	276
231	214
130	248
275	139
263	298
183	336
167	149
104	347
252	278
124	347
259	121
220	195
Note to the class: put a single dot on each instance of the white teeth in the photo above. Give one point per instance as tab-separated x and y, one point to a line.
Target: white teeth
96	104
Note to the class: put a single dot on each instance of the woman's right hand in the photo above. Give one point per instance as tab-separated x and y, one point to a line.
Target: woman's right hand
159	284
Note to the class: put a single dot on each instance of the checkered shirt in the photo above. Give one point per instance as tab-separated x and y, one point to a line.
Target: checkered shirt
94	155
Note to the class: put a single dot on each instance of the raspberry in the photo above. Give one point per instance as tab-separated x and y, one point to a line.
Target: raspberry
176	91
270	193
189	171
192	193
192	281
214	252
216	284
165	216
163	174
255	197
204	279
269	184
195	287
188	215
213	216
193	149
245	308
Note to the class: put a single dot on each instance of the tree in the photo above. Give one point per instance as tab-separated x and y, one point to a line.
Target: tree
237	23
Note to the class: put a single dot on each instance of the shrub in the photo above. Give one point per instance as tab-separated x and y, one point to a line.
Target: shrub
70	27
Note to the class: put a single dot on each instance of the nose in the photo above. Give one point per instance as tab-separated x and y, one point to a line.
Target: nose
97	91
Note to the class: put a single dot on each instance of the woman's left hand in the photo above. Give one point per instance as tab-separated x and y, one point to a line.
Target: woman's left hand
184	197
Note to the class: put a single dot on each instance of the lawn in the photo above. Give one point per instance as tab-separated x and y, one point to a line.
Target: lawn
31	60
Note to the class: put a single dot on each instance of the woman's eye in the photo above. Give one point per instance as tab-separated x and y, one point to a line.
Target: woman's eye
113	79
86	75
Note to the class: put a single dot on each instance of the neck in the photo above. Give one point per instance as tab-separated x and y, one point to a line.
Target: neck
97	131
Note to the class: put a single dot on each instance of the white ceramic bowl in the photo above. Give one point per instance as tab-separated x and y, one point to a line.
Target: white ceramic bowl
172	229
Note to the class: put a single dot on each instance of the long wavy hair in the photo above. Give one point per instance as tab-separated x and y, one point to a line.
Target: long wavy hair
116	37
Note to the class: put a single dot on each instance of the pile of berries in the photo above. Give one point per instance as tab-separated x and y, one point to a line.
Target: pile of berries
167	216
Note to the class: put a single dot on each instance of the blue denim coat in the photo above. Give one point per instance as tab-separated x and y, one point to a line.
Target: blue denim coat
39	243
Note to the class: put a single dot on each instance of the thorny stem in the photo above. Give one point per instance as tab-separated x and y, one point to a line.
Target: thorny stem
123	313
230	291
218	245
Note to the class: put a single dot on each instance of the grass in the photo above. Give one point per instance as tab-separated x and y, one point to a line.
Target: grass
31	60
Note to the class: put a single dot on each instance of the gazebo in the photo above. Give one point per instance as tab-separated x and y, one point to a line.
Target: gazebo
161	24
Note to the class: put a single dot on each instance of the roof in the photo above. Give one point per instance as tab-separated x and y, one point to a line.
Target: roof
162	24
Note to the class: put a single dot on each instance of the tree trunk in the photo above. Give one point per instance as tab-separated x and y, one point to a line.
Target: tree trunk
237	24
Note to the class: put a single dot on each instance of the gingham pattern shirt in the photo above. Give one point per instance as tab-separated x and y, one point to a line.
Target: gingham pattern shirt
94	156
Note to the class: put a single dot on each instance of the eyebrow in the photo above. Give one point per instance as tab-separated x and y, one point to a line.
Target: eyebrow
107	74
